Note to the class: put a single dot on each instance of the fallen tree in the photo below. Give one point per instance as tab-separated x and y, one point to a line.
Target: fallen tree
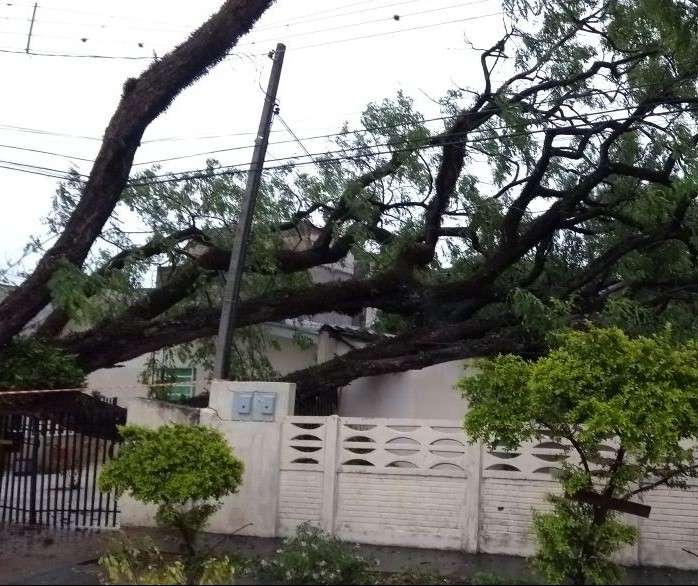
564	193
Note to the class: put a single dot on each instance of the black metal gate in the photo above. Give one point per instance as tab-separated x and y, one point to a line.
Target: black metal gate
50	464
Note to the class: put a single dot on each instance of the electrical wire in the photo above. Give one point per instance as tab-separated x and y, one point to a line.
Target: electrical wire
33	53
235	169
293	21
375	21
37	170
22	129
365	130
46	132
298	140
529	122
187	28
404	30
50	153
254	43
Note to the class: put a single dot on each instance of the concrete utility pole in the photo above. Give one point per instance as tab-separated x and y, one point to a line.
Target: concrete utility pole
31	28
231	294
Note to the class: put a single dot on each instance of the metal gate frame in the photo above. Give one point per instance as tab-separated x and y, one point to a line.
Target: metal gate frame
49	468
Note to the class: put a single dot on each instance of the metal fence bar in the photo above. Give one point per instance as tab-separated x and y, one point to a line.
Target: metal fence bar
57	453
70	470
33	468
95	467
43	434
87	477
62	453
101	494
21	493
6	464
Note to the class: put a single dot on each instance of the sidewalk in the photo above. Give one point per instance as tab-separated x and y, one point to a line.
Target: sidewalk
55	556
29	552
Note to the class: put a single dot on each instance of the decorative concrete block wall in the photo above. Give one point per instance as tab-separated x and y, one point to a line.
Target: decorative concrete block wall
416	483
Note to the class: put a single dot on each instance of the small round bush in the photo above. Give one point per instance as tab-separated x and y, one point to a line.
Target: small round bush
185	470
314	556
173	464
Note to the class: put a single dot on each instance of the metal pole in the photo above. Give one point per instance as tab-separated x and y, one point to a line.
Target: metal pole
226	329
33	487
31	27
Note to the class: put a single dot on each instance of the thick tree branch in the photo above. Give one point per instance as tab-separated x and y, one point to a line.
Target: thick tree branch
143	100
122	339
56	321
340	371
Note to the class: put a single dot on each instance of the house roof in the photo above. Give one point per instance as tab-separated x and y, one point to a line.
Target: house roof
357	332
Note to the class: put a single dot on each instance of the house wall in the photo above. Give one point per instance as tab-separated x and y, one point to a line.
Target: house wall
122	381
428	393
405	482
290	356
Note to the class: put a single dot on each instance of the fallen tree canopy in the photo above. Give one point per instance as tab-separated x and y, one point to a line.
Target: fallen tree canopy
565	193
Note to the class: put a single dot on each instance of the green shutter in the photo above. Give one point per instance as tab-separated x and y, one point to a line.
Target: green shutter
184	382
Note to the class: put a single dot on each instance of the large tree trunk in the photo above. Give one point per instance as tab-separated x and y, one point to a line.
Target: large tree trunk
143	100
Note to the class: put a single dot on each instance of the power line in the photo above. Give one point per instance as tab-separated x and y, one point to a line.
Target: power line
371	9
180	27
411	149
23	129
75	55
29	171
298	140
234	169
374	21
293	134
337	41
39	170
46	132
359	131
414	28
51	153
294	21
149	141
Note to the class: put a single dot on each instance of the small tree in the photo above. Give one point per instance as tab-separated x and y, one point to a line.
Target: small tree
596	386
184	470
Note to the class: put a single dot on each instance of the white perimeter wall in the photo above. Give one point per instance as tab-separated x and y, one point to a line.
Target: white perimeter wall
427	393
404	482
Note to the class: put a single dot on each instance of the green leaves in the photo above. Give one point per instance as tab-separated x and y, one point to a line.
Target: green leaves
173	465
185	470
314	556
594	384
89	298
68	287
595	387
28	363
569	540
143	563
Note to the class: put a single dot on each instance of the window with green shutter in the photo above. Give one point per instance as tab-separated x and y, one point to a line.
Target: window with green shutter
183	382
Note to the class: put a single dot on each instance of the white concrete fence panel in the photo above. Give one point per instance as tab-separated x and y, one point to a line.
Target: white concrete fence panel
416	483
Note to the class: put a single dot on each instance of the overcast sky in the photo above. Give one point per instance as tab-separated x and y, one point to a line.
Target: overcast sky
329	76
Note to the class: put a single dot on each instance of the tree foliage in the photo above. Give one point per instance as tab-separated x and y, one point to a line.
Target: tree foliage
625	410
564	193
143	563
30	364
184	470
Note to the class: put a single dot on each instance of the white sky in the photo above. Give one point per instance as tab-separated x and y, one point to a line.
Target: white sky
321	86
